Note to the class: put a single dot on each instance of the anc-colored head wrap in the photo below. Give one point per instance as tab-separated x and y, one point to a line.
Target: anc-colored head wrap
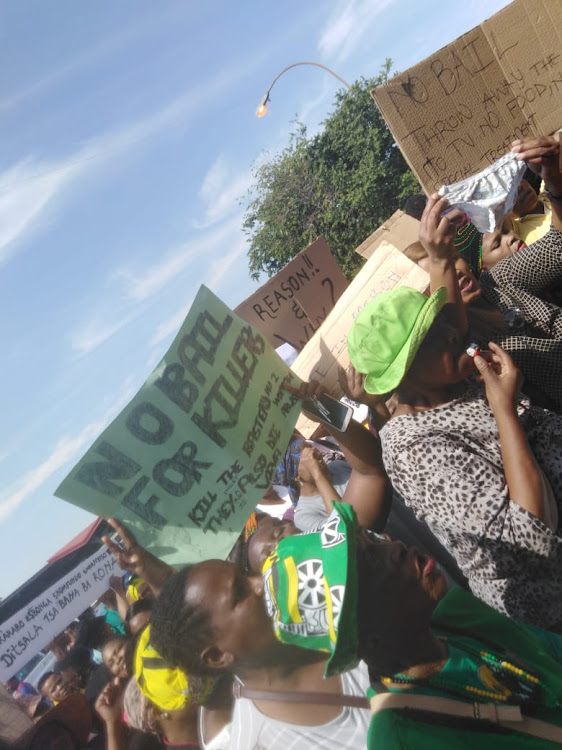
167	687
310	587
468	244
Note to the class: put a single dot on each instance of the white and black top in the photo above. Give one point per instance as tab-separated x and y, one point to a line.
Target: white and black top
446	463
515	285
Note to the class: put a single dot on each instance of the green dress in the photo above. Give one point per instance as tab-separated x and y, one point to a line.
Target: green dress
467	622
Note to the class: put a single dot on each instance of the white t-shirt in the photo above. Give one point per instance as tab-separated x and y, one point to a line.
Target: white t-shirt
310	513
252	730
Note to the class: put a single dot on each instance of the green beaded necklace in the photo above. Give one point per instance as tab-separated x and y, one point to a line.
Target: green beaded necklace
518	685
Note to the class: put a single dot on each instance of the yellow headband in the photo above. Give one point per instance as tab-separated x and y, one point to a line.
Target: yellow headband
168	688
133	588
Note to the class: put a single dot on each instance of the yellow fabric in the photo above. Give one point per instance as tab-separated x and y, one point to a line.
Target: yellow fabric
166	687
133	588
532	227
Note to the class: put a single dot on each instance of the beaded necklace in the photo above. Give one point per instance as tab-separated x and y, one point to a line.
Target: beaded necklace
514	684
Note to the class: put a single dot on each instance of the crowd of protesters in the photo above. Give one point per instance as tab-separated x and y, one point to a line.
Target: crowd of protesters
411	595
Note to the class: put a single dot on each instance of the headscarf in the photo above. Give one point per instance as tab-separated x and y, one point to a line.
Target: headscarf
140	712
169	688
468	244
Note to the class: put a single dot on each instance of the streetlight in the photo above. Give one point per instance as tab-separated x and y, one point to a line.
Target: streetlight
262	106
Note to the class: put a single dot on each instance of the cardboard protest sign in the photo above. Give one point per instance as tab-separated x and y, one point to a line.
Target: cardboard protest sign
292	304
459	110
186	461
28	631
399	231
386	268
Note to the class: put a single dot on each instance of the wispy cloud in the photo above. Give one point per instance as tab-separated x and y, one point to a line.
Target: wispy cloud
91	334
64	452
350	21
139	286
29	187
218	271
221	191
25	191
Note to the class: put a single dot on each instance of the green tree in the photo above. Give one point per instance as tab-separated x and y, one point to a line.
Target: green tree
341	183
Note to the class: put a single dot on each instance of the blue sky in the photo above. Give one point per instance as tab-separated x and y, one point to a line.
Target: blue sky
127	138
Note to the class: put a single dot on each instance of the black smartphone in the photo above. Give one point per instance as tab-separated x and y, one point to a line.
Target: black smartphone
328	411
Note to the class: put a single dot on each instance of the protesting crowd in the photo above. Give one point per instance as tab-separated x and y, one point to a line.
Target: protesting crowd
400	584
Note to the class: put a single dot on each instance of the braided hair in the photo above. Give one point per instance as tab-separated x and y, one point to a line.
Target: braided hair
180	630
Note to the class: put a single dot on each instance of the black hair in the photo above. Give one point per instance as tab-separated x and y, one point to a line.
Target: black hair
43	679
179	631
92	633
533	179
141	605
415	205
79	659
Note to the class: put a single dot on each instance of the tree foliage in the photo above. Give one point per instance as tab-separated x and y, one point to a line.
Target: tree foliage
341	183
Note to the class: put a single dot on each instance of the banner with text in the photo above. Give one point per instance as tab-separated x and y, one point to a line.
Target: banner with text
190	456
291	305
24	634
459	110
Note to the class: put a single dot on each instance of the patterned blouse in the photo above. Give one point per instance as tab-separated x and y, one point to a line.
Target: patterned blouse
446	463
515	286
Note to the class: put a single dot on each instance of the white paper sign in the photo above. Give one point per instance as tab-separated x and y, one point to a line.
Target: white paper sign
34	626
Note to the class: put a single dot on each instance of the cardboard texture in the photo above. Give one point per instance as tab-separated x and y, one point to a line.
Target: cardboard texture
459	110
400	231
386	268
291	306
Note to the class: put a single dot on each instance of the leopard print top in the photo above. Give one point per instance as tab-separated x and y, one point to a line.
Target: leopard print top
446	463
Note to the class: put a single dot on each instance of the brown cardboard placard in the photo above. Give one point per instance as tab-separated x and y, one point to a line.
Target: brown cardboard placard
459	110
400	230
386	268
291	305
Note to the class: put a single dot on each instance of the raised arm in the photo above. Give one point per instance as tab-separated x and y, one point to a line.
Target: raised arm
369	489
522	475
543	155
437	234
134	558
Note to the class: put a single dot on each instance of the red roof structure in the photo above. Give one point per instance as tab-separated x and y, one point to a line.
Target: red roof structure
79	541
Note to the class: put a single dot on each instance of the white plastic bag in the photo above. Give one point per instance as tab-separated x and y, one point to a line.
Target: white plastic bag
487	197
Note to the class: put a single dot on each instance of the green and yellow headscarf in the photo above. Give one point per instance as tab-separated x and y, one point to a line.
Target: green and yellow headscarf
167	687
310	586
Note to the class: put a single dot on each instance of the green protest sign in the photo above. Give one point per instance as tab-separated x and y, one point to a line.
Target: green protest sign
188	458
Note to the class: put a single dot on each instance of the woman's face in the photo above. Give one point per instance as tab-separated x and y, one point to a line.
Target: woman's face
113	655
441	359
498	245
469	286
262	543
526	201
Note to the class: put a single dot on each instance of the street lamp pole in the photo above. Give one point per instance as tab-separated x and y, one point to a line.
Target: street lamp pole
262	107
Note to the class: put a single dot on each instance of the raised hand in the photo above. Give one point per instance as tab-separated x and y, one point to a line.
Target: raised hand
501	377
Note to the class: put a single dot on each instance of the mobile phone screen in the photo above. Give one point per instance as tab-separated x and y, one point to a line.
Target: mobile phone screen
330	411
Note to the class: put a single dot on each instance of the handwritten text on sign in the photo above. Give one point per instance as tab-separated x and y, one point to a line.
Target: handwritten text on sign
459	110
292	305
191	455
24	634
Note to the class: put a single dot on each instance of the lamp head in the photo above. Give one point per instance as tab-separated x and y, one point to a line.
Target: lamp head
262	106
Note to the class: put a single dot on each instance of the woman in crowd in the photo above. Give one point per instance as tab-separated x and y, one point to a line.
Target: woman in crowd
117	654
486	475
449	670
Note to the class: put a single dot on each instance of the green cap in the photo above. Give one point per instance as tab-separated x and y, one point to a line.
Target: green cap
310	585
387	333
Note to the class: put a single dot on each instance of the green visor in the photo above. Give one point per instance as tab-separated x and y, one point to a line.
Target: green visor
310	584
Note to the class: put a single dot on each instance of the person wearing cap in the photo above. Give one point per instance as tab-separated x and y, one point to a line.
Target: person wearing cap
449	670
211	619
484	472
